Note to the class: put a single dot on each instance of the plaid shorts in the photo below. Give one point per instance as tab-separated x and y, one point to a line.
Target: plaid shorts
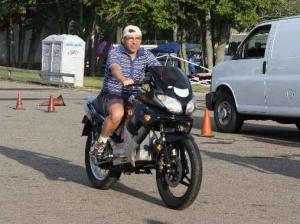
105	99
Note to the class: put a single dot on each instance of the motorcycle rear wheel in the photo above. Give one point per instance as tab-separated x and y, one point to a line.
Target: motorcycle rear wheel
189	168
101	177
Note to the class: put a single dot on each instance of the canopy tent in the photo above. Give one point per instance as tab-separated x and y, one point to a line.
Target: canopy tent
167	54
170	47
174	47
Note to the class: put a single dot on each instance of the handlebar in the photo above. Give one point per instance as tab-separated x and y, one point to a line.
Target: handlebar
147	79
138	84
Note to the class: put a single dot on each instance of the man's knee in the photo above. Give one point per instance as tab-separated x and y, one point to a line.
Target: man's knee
116	114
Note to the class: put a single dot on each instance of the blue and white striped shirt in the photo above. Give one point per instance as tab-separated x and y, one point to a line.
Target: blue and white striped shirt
131	69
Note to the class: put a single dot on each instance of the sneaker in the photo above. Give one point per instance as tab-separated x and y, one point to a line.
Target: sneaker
99	147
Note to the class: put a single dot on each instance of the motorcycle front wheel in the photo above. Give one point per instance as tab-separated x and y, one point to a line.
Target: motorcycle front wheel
104	176
179	183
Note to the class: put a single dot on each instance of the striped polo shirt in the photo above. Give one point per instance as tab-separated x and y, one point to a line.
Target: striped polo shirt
131	69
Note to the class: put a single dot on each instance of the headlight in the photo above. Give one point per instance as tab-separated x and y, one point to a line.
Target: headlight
190	108
170	103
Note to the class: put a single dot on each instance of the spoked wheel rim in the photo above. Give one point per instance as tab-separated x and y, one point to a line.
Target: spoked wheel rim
179	177
224	113
174	177
99	173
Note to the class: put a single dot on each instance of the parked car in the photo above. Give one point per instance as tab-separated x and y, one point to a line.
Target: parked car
262	81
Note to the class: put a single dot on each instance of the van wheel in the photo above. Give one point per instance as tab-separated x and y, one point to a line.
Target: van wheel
226	117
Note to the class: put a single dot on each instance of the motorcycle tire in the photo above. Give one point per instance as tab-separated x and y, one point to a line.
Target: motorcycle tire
164	188
93	171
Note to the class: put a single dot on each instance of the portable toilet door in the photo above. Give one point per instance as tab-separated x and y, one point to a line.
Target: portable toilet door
47	54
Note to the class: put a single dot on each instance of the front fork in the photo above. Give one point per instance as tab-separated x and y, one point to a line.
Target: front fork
163	158
167	155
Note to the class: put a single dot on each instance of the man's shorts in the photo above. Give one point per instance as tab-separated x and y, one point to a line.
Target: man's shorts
105	99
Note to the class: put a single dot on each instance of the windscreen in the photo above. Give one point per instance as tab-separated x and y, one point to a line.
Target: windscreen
172	81
166	76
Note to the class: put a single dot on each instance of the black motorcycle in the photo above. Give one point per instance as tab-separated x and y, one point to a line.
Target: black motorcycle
157	136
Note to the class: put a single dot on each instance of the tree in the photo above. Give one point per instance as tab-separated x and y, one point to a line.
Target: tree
206	21
12	13
222	15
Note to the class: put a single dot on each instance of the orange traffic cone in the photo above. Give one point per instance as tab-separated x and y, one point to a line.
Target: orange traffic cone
206	125
51	104
19	105
59	101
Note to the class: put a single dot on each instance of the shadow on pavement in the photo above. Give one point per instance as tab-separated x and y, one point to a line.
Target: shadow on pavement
58	169
279	135
151	221
282	165
53	168
272	134
119	187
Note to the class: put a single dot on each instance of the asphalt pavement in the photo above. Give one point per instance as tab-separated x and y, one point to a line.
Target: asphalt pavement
249	177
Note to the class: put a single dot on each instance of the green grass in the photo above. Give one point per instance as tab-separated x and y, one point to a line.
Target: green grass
200	88
96	82
28	75
91	82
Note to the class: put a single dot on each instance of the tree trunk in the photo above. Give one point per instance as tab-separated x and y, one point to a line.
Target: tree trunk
81	17
62	21
175	32
12	44
203	48
223	37
8	47
92	59
21	45
33	45
89	15
182	53
220	52
118	34
93	47
87	56
209	46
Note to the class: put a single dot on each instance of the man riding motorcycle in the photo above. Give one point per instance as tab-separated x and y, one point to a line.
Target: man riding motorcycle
125	65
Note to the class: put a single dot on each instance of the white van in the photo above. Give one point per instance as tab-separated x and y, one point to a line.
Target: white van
262	81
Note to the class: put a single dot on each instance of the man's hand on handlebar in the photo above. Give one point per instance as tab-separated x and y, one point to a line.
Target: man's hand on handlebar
128	82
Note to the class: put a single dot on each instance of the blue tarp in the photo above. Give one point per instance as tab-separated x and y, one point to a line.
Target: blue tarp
174	47
171	47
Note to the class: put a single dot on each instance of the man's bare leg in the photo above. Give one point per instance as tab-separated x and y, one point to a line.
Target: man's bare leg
110	124
112	121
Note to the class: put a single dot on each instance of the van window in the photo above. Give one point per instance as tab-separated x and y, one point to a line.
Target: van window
255	44
286	43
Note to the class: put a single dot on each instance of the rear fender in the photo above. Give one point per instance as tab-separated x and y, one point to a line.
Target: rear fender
87	126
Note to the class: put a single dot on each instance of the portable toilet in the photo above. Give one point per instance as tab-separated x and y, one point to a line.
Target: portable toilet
64	54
